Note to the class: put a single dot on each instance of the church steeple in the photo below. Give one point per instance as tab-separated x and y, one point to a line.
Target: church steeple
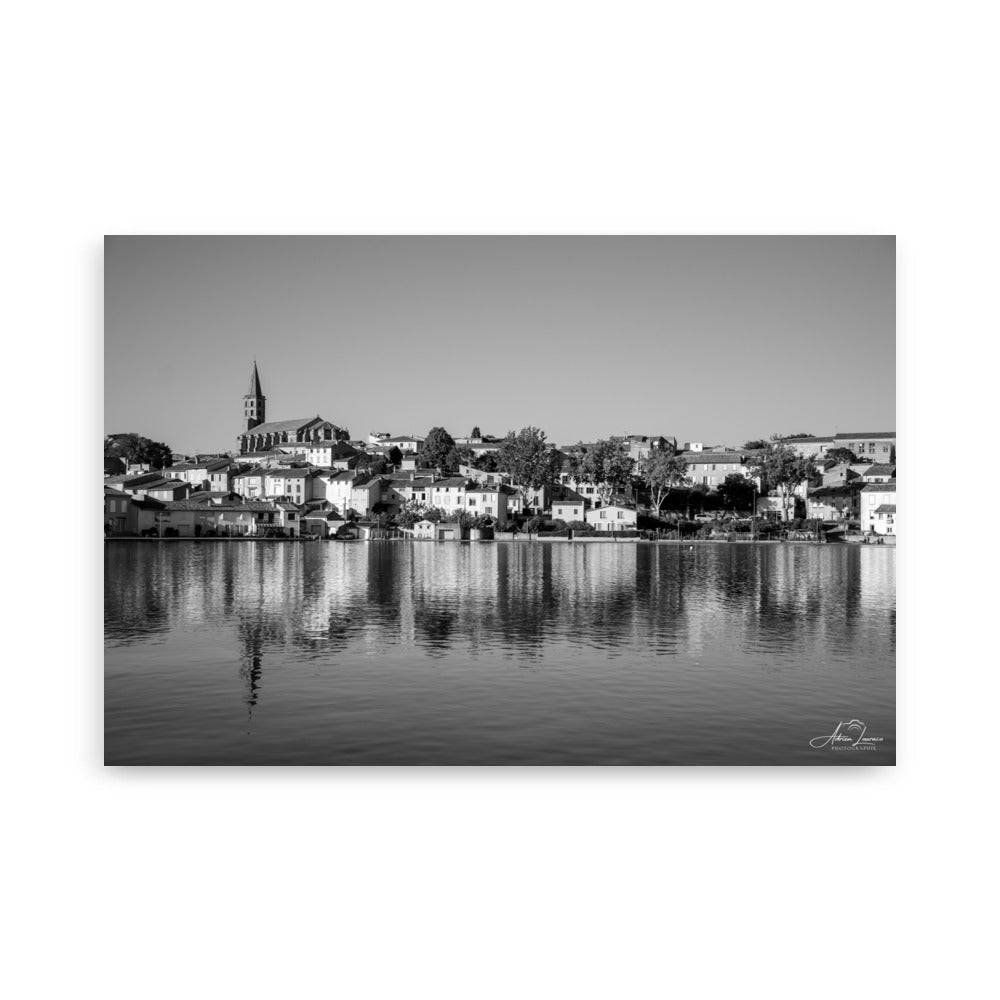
253	402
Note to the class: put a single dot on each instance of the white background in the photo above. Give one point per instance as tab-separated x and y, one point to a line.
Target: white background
513	118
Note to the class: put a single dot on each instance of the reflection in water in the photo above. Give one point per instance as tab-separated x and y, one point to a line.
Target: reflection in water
401	652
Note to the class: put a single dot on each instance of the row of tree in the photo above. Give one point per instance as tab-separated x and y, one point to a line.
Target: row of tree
606	465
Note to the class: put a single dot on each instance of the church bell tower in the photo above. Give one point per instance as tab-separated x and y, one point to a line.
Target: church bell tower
253	403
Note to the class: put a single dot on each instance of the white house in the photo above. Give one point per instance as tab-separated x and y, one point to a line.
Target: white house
569	507
878	508
490	501
365	494
448	493
327	453
296	484
710	468
613	517
336	487
406	443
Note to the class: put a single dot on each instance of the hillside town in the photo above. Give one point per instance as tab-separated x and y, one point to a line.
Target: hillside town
306	478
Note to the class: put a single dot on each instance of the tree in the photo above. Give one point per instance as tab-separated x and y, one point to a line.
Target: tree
699	491
136	448
487	462
476	432
842	455
458	455
437	447
755	445
607	466
737	492
531	463
779	467
665	471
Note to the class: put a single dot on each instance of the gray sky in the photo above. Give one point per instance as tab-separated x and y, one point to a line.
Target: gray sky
713	339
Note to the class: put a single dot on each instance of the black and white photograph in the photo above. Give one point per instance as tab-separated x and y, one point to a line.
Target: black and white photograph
531	500
503	412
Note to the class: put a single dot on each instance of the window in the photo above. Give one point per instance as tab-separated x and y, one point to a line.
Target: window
620	515
489	510
604	514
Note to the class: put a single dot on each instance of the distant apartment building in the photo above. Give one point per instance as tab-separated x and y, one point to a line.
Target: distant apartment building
868	446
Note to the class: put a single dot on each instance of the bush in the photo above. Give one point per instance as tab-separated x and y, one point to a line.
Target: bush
578	526
533	525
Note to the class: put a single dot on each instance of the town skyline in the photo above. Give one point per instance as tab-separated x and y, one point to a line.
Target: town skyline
186	317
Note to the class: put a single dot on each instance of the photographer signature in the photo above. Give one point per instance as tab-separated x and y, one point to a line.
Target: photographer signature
848	736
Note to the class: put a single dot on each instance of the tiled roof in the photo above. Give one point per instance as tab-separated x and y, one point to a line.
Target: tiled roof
289	473
136	480
888	435
712	457
839	490
880	470
339	446
111	492
449	482
889	487
251	506
568	496
886	508
277	426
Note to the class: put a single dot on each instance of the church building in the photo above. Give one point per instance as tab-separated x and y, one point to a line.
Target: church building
258	435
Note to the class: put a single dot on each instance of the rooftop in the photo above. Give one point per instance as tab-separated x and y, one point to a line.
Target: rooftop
886	508
278	426
889	487
886	435
251	506
449	481
698	457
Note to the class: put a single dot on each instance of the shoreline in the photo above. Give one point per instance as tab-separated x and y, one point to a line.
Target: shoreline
503	541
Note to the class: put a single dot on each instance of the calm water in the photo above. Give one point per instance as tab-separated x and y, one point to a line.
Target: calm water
395	652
